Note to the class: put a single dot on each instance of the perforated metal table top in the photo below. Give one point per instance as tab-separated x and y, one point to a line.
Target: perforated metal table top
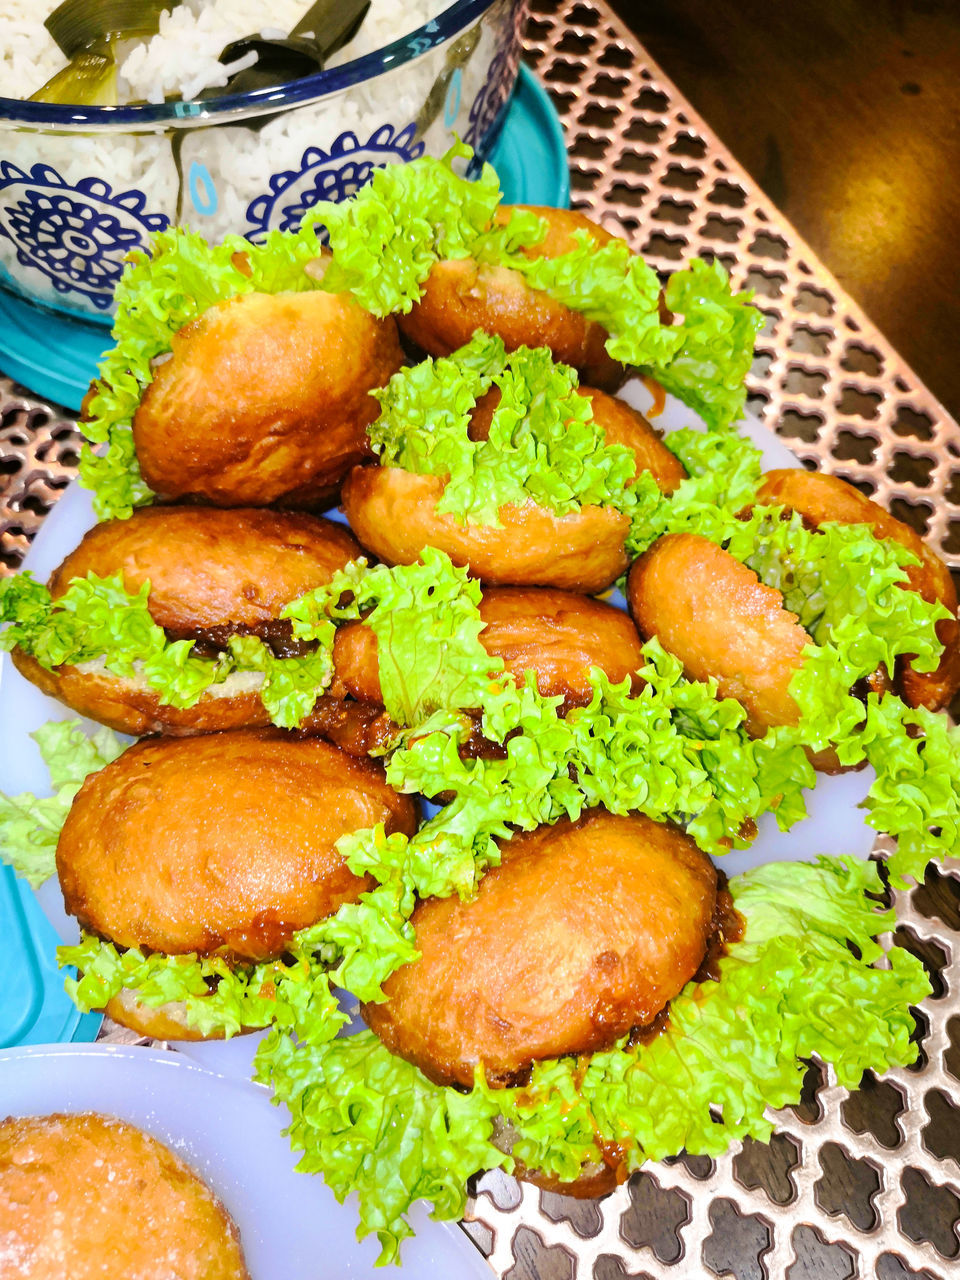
856	1184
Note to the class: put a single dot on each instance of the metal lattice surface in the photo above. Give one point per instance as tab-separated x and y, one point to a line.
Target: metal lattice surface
853	1185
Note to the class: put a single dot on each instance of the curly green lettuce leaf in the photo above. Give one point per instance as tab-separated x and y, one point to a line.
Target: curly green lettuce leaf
97	620
218	997
543	445
358	946
409	216
673	751
386	240
371	1123
723	472
30	825
915	798
719	330
791	988
427	623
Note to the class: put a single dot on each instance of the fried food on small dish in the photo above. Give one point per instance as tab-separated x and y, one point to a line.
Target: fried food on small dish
392	512
721	621
265	399
460	296
821	498
559	635
224	842
89	1195
586	930
213	574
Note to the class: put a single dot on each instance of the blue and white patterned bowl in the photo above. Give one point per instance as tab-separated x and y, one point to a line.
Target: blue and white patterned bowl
81	187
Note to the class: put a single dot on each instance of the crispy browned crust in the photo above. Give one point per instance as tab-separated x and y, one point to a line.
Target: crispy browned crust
393	514
584	931
208	567
358	728
717	617
88	1195
461	296
220	841
265	399
559	635
820	498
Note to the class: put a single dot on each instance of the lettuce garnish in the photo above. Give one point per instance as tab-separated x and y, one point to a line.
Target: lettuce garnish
386	240
427	623
543	446
97	620
30	825
791	988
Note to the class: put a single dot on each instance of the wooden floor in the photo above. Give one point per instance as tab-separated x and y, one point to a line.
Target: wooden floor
847	113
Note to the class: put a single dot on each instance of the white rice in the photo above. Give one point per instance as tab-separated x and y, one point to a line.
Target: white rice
183	58
257	178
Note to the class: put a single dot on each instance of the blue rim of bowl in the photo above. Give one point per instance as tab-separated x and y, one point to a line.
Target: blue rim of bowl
437	31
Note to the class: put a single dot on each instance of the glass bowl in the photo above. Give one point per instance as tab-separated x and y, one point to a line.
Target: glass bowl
80	187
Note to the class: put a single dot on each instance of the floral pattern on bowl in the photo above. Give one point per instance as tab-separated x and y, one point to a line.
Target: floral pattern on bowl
328	175
77	236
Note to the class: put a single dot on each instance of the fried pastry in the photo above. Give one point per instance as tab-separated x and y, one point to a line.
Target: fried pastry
265	399
586	930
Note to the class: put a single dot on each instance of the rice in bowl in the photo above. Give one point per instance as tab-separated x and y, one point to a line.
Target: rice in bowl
80	189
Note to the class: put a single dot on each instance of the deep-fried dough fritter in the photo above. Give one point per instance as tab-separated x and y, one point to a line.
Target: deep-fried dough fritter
622	424
560	635
820	498
460	296
207	567
718	618
586	930
225	840
211	573
265	399
392	512
129	705
89	1196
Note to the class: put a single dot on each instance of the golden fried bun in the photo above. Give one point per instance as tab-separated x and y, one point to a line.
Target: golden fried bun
586	930
718	618
130	705
89	1196
559	635
212	574
265	399
393	514
460	296
208	567
220	841
820	498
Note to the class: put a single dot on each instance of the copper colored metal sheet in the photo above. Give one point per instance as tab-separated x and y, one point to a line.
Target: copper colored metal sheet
863	1184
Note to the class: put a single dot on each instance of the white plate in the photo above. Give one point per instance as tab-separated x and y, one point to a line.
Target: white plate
835	825
291	1226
